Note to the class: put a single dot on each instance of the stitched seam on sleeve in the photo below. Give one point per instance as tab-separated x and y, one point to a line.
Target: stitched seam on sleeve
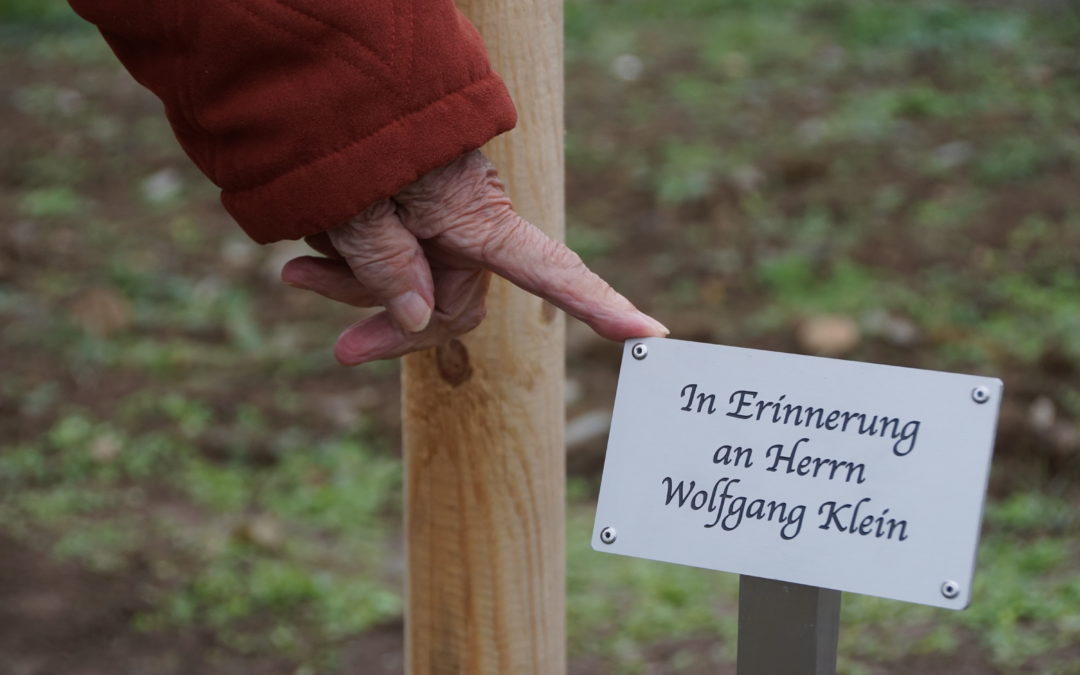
185	91
345	148
352	38
410	29
360	68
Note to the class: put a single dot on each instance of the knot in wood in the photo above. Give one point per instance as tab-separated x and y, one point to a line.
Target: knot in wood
452	359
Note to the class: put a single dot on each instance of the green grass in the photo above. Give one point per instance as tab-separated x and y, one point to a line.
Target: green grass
620	607
1024	602
34	10
290	558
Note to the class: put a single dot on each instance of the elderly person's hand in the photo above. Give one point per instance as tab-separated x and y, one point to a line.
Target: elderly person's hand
426	256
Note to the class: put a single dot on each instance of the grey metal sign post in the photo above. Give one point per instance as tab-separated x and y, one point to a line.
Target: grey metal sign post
786	628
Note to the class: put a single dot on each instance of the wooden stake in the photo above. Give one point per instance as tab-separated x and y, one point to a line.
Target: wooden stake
483	416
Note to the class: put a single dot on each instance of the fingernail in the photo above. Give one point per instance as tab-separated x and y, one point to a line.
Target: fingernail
656	324
410	311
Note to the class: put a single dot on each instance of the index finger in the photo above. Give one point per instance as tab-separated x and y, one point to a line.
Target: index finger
516	249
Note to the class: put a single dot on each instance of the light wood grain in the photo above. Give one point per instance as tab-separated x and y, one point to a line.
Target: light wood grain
483	417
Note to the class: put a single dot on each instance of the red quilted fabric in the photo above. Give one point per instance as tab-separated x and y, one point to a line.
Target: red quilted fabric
305	112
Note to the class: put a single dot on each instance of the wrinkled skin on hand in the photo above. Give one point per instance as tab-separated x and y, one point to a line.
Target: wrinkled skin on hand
427	254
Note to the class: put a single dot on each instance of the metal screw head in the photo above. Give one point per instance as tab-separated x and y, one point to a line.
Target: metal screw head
980	394
639	351
950	589
607	535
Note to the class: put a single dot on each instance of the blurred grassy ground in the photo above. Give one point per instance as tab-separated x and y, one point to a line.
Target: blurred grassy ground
189	484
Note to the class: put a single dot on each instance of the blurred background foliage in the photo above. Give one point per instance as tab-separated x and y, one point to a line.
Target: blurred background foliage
189	484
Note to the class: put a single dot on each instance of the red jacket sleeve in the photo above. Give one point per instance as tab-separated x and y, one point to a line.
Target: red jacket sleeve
305	112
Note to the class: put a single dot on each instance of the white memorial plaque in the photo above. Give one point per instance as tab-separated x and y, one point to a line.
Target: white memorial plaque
843	475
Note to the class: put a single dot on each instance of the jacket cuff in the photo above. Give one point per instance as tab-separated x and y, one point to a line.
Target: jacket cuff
327	191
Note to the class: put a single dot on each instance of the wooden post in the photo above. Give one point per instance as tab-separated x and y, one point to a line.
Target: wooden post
483	416
787	628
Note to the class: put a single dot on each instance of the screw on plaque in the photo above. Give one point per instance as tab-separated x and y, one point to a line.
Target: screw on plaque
980	394
950	589
607	535
639	351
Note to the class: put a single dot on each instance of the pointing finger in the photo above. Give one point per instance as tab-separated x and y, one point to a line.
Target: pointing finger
522	253
463	208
